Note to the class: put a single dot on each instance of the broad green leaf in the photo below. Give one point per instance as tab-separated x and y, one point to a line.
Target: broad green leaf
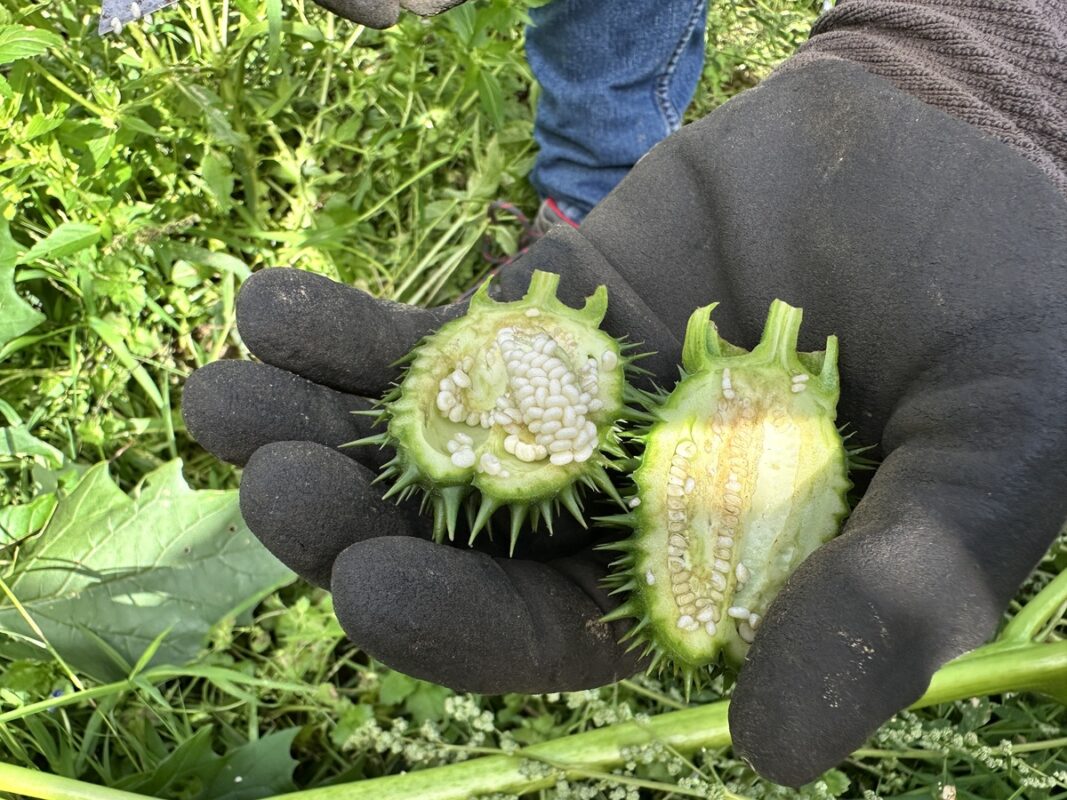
29	678
350	720
261	768
461	20
16	315
19	521
65	240
102	149
836	781
130	568
274	23
491	97
218	175
17	442
215	115
223	262
113	339
395	686
39	124
188	759
427	702
22	41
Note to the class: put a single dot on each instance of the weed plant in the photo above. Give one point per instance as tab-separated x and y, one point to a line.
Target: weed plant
141	179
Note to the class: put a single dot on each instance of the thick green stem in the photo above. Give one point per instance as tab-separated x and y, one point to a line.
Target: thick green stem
599	750
779	341
1003	666
1040	667
24	782
994	670
1042	609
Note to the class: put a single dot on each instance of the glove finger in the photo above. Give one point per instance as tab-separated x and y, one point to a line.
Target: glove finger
372	13
956	517
429	8
232	408
477	623
307	503
330	333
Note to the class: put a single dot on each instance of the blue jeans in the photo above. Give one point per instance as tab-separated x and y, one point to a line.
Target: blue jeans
616	77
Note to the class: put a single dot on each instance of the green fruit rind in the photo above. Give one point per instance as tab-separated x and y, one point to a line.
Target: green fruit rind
517	401
743	476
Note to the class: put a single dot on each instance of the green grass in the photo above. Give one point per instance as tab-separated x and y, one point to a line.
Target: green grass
208	145
219	145
233	135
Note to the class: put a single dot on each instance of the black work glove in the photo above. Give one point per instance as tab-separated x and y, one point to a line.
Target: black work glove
385	13
935	253
474	620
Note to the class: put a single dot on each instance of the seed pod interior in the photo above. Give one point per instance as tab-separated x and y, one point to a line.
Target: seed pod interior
742	477
516	400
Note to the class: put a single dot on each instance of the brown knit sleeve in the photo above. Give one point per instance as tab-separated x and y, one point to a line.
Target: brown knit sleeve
1000	65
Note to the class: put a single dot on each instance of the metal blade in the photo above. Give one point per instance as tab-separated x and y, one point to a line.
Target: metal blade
116	13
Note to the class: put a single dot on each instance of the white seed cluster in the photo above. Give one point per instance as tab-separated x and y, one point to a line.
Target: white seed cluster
543	410
747	622
450	403
702	602
696	606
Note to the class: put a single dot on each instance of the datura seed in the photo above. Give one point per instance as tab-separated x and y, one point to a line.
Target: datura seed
742	477
515	404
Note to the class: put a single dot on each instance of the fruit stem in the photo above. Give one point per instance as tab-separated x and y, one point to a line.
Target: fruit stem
779	340
1045	607
698	345
542	289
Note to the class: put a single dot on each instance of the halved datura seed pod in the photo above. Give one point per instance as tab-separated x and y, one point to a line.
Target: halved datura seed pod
517	400
742	477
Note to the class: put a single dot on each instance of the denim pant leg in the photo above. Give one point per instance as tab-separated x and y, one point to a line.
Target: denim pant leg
616	77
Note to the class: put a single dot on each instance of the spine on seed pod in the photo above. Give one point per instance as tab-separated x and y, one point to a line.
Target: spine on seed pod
743	475
514	404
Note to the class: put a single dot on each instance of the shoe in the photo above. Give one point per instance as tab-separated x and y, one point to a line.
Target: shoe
549	215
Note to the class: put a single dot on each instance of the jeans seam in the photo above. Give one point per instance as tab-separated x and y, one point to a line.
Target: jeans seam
670	115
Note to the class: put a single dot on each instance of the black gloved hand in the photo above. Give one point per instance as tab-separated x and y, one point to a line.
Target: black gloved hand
385	13
471	619
935	253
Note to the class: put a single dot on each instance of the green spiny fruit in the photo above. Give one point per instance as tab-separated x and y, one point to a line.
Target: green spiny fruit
517	400
742	477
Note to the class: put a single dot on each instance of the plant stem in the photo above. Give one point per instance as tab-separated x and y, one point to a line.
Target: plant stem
31	783
598	750
659	697
993	669
1040	667
1042	608
219	675
990	670
1027	667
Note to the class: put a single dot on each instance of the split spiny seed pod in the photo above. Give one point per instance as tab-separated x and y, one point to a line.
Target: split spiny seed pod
518	400
743	476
